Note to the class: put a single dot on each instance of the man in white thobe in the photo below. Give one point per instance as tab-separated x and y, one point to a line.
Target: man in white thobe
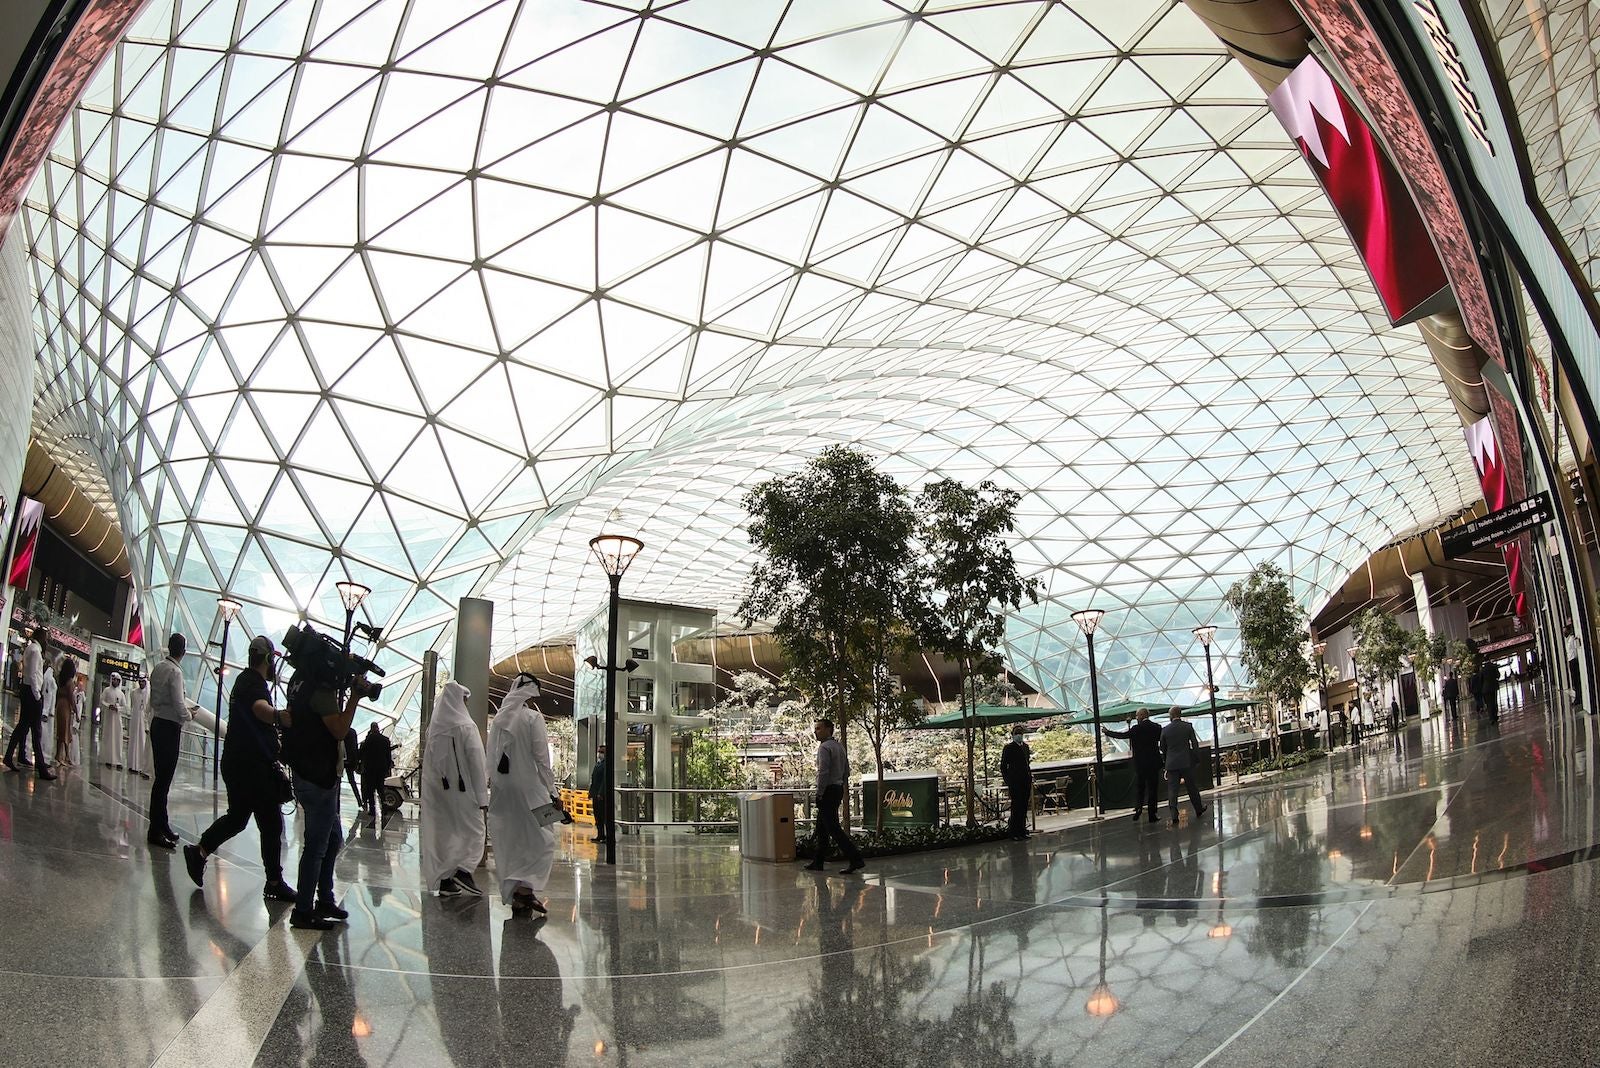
113	699
522	802
138	740
47	702
455	795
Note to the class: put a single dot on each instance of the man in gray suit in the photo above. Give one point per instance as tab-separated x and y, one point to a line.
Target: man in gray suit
1180	753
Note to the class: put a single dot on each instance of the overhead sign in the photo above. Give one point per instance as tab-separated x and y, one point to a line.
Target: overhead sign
1497	527
106	663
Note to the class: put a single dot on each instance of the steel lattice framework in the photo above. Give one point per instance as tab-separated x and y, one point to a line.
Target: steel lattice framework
420	291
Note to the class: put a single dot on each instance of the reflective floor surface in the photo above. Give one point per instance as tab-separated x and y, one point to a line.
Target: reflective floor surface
1426	901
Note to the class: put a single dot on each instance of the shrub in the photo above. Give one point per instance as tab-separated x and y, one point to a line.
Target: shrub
896	840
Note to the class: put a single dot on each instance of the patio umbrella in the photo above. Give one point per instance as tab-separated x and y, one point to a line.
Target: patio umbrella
988	716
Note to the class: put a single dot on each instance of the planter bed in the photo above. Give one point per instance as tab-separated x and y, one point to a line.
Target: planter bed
912	840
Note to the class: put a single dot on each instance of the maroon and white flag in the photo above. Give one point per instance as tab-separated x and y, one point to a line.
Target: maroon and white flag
1365	188
30	514
1489	461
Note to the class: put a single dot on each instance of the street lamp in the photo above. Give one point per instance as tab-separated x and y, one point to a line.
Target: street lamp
615	552
351	594
1088	621
230	610
1322	688
1205	634
1355	678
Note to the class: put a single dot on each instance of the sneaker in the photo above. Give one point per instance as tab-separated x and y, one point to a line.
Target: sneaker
308	921
450	888
278	890
467	884
330	910
1201	811
195	861
160	841
46	775
814	867
855	866
1136	815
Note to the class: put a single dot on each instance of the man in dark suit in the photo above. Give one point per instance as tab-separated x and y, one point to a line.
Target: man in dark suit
1144	738
1016	770
600	794
1180	752
377	761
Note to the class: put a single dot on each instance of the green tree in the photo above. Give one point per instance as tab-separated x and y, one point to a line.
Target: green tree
835	546
1272	639
1419	649
974	580
1380	642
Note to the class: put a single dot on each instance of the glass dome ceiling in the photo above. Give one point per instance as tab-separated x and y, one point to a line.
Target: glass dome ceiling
420	291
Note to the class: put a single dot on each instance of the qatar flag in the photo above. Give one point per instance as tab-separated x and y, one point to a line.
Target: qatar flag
1366	191
135	622
1487	458
30	514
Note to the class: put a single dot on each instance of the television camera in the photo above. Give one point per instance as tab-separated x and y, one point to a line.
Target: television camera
321	663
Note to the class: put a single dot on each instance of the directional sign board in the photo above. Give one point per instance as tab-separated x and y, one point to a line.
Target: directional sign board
1498	527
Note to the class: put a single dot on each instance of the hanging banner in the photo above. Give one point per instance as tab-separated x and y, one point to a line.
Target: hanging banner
135	621
30	515
1368	193
1492	479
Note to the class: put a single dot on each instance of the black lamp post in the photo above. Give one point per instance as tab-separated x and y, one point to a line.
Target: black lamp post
1355	678
229	609
1088	621
615	552
351	594
1205	634
1322	689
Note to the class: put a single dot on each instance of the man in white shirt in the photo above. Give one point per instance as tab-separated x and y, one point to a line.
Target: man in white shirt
168	711
833	773
31	722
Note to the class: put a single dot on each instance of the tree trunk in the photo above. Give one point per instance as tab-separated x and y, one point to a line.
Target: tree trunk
969	700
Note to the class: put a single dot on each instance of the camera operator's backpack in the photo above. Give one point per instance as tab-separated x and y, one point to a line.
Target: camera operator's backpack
308	747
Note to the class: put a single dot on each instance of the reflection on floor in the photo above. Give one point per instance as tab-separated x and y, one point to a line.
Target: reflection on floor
1425	901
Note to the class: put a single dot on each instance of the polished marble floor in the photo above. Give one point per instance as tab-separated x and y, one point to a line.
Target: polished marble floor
1425	901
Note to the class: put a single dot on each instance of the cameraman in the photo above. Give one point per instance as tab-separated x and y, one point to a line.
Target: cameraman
249	768
312	747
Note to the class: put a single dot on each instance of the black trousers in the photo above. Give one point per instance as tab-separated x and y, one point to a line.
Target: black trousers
370	785
250	795
1021	796
1146	789
30	724
829	827
164	738
1185	776
602	817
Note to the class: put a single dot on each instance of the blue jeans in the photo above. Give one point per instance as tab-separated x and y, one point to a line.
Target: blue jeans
323	840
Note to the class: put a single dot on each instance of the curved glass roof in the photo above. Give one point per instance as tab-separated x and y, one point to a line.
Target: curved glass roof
440	285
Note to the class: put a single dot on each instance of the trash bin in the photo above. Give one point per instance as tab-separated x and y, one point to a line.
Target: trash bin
766	827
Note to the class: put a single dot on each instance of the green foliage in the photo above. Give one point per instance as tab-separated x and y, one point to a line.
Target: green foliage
839	581
1380	643
1060	743
834	539
896	840
1272	637
974	580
